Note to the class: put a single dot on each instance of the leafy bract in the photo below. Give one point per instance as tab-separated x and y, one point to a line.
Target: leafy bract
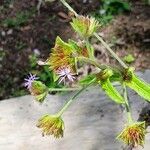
111	91
140	86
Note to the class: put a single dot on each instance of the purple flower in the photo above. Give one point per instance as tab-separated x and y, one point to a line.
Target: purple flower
28	81
65	73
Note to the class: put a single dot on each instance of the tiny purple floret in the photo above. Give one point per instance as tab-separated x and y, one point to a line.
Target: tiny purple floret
65	73
28	81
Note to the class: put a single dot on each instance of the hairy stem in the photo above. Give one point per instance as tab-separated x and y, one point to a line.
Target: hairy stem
127	106
63	89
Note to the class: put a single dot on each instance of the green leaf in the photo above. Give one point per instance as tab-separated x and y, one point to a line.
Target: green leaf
87	79
129	58
111	91
140	86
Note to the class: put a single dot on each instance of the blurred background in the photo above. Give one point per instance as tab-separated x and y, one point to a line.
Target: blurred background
28	30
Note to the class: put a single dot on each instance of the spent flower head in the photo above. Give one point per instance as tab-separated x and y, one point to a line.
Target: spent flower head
133	134
28	81
51	125
61	56
85	26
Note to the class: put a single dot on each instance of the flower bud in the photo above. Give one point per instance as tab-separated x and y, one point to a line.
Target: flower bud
127	74
104	74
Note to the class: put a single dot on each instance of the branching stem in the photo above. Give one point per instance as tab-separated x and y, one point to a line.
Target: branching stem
73	98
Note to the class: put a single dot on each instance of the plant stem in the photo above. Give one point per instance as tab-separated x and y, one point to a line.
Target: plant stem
127	106
91	61
110	50
63	89
73	98
69	7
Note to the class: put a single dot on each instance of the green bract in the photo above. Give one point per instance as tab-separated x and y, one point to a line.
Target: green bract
111	91
85	26
138	85
107	86
39	90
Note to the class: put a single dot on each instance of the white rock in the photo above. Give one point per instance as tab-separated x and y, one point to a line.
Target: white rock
91	123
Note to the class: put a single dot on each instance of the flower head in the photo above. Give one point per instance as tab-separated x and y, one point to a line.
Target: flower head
85	26
61	55
133	134
65	73
39	90
28	81
51	125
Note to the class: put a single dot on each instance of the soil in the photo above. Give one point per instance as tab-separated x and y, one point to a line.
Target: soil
37	33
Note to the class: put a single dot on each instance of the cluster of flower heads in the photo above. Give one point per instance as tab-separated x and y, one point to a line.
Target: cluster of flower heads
62	61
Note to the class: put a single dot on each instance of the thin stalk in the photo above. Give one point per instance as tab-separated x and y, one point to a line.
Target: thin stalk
69	7
73	98
91	61
110	50
63	89
127	106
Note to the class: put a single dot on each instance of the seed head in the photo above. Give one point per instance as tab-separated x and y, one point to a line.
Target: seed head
51	125
85	26
133	134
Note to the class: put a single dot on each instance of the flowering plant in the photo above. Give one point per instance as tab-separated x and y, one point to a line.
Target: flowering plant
63	62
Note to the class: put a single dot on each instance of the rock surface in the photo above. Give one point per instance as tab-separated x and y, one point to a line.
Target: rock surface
91	123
